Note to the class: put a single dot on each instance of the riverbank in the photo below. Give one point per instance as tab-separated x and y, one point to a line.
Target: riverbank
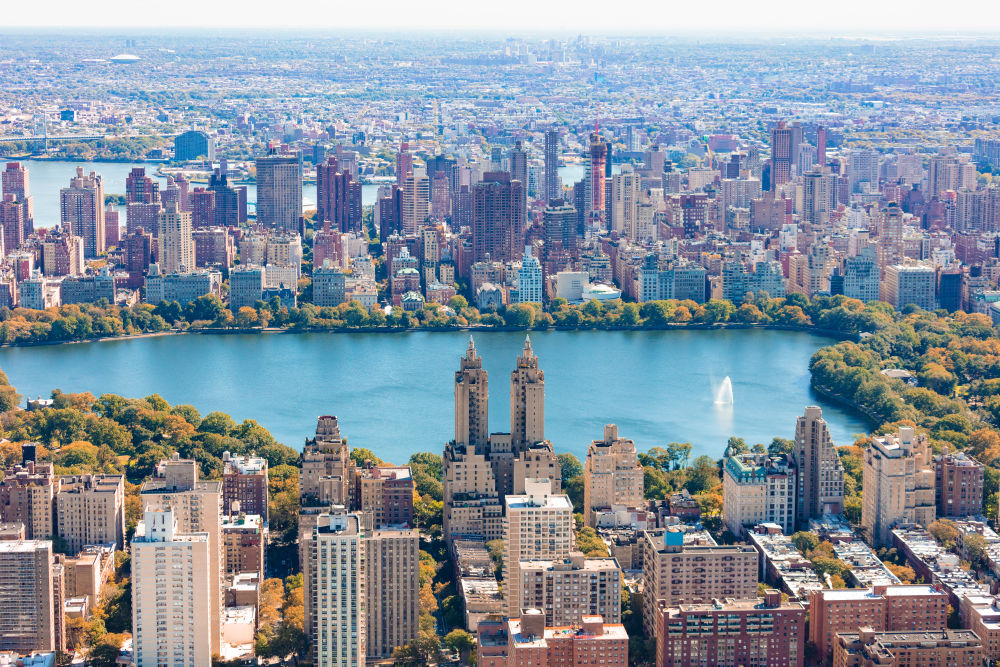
816	331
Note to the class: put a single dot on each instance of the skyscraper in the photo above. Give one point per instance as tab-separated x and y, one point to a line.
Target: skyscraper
140	188
471	401
820	472
279	191
337	587
538	525
624	207
404	163
416	201
82	211
176	243
596	178
16	182
527	400
781	154
498	219
552	187
559	220
338	197
172	599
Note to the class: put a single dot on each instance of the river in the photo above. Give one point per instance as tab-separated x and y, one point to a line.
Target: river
394	394
47	177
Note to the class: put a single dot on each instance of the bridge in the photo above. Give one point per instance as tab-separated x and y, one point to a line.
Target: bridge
75	137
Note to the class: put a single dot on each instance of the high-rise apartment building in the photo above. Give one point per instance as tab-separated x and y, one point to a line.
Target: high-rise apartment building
392	587
901	608
527	399
907	284
529	279
337	588
623	209
559	221
62	254
538	525
781	154
279	191
243	539
176	245
196	507
338	197
567	590
958	485
82	211
244	480
140	188
327	469
90	510
820	472
404	163
553	187
519	164
758	488
29	588
383	495
498	218
172	593
676	574
27	495
613	478
898	482
861	276
471	401
16	183
595	179
721	633
415	201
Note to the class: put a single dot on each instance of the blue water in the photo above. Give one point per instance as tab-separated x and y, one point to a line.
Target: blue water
393	393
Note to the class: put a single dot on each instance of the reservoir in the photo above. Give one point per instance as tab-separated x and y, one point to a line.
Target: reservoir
394	393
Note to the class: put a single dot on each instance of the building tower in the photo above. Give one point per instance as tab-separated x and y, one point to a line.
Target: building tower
498	218
552	187
821	474
404	163
596	177
472	395
898	482
781	154
28	619
279	191
538	525
16	182
613	478
171	593
176	242
82	211
337	588
527	400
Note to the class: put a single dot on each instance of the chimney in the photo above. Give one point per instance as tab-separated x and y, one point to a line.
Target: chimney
532	623
772	598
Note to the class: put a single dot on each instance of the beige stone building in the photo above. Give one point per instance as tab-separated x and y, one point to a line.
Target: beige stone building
527	399
538	526
327	470
243	540
90	510
898	481
338	591
27	494
172	594
676	574
756	489
612	476
567	590
392	574
29	618
472	394
197	508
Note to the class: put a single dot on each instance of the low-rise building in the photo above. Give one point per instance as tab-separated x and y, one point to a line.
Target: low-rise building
955	648
781	564
592	642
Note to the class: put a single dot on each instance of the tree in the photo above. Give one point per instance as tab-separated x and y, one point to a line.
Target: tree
805	541
460	641
570	465
247	318
590	543
105	652
360	455
737	446
945	532
704	475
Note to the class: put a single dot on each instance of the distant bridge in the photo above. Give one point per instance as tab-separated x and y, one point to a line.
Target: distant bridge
76	137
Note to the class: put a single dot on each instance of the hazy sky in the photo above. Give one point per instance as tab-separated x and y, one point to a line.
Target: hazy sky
645	16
